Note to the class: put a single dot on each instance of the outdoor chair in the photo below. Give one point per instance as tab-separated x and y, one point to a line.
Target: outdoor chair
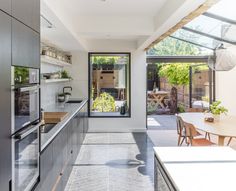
192	139
199	110
181	131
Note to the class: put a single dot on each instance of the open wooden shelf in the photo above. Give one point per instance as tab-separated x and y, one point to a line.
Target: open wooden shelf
53	61
55	80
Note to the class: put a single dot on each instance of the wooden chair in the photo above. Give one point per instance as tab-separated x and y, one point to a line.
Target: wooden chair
199	110
229	141
181	131
192	139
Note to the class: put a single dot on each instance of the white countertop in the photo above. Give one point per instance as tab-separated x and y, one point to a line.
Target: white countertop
199	168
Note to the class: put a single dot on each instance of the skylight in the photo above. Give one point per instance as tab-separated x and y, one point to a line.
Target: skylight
215	27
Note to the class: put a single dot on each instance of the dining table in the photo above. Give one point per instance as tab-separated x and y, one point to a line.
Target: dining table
158	98
225	127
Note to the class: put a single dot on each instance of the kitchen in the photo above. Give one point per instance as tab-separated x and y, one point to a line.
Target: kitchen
46	132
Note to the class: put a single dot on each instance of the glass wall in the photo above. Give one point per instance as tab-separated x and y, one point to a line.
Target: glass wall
201	86
109	82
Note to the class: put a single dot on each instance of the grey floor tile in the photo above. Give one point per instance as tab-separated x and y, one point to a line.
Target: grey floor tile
113	162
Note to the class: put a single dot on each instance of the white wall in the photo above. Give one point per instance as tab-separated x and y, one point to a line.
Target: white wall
79	73
137	122
225	89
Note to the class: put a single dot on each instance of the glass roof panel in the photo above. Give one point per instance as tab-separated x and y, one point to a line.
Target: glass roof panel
196	38
214	27
224	8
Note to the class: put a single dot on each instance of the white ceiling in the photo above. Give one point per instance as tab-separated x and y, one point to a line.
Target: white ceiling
112	7
127	20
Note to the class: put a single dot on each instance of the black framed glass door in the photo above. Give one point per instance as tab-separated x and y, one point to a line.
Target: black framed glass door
202	86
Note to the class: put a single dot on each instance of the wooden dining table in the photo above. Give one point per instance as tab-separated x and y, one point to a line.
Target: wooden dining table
158	97
225	127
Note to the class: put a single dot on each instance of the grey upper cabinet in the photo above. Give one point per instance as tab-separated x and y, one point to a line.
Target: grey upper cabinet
25	46
28	12
5	106
5	5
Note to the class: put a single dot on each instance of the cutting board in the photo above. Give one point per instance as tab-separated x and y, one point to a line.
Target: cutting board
54	117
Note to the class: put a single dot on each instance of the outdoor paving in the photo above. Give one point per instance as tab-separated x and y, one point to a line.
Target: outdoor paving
161	122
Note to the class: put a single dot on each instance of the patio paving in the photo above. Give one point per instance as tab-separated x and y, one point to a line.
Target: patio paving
161	122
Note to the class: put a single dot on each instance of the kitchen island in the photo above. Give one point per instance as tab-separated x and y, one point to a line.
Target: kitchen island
61	145
194	168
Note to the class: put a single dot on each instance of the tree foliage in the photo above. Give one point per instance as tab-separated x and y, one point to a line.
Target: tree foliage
177	73
172	47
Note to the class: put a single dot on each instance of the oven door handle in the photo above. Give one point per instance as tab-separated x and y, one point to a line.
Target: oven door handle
27	88
28	131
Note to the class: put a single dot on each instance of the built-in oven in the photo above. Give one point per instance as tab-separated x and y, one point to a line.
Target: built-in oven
26	158
25	97
25	127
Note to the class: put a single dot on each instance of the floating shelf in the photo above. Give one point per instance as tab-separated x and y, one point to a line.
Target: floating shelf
55	80
49	60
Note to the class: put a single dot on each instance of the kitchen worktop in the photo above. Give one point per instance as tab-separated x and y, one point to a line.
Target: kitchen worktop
198	168
71	108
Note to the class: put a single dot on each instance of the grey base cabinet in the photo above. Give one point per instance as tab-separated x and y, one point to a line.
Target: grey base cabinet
58	158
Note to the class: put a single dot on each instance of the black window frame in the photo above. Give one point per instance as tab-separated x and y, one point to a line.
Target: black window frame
90	80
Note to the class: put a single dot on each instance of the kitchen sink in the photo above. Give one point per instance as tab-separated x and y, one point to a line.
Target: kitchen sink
47	127
74	101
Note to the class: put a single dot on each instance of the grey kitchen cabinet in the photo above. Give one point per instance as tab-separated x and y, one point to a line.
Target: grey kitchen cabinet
5	5
25	46
62	153
28	12
5	106
46	169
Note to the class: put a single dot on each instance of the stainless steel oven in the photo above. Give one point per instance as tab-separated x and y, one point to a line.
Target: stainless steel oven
25	97
26	158
25	127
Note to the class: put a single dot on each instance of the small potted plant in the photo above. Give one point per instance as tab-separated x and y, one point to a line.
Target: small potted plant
216	109
61	97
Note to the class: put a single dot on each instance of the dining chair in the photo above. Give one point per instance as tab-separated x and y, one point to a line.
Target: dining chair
229	141
181	131
199	110
192	136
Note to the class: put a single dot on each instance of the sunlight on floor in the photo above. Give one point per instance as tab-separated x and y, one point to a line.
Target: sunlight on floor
153	122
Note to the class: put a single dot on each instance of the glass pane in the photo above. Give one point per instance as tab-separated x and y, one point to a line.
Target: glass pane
109	84
213	27
200	89
196	38
224	8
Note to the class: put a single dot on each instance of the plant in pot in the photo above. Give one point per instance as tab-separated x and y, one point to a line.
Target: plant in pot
61	97
216	109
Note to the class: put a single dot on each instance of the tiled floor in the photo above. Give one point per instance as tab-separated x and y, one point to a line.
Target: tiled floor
113	162
161	122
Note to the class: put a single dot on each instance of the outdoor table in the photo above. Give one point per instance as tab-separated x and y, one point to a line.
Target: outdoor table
226	127
158	97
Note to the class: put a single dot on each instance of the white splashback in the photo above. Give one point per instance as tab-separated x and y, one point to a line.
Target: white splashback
49	91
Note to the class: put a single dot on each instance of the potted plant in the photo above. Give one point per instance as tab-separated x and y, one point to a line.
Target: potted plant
216	109
61	97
